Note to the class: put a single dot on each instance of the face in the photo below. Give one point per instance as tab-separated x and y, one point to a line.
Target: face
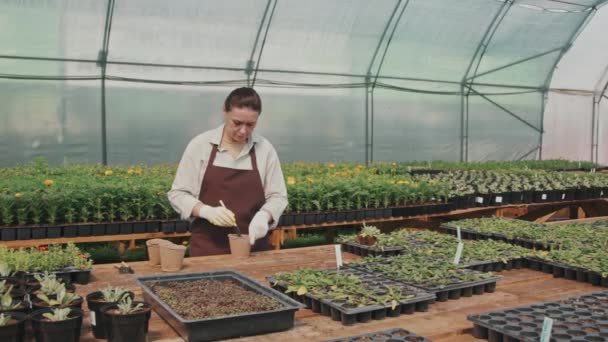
239	124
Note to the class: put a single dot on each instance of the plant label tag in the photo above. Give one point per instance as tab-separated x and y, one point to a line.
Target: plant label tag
338	256
563	196
93	321
545	335
498	199
458	234
479	200
543	196
458	253
593	170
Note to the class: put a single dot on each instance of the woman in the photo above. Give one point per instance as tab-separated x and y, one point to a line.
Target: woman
227	175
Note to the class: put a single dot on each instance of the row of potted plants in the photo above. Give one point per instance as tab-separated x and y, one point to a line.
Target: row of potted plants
67	261
42	197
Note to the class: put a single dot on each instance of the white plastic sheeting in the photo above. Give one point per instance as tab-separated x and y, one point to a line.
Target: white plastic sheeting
569	114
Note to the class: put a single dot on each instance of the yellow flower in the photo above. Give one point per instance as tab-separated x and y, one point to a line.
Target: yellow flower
331	165
108	172
291	180
345	173
131	171
18	195
310	179
360	166
394	164
403	182
138	172
337	173
48	182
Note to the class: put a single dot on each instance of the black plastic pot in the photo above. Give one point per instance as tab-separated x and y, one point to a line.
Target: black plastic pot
97	319
84	230
99	229
53	232
8	234
70	231
152	227
14	332
60	331
39	233
167	227
126	328
113	229
180	227
139	228
24	233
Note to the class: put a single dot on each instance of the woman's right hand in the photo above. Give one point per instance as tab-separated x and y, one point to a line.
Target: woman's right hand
218	216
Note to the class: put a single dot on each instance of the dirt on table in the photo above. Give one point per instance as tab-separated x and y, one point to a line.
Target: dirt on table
202	299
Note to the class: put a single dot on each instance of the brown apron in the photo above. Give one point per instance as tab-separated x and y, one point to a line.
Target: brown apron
242	192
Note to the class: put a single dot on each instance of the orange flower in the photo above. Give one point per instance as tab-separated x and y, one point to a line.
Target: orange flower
331	165
138	172
48	182
131	171
18	195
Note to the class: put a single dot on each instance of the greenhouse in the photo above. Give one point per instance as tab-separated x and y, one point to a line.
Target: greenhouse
423	170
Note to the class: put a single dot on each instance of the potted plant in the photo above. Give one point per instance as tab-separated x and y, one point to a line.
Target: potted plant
8	303
126	321
63	299
97	299
12	326
57	324
368	235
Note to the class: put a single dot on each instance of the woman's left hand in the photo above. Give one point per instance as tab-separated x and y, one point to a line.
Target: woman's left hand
258	227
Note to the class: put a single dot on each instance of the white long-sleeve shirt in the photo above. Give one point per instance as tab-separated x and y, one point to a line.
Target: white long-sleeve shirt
184	192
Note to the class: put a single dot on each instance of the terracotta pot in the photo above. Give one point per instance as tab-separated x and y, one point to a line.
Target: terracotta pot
239	245
171	257
154	250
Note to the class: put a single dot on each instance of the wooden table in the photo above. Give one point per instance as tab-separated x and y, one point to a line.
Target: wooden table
443	322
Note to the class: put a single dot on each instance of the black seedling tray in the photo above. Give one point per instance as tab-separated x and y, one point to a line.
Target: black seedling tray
560	270
453	290
581	318
227	326
341	312
473	235
496	265
364	250
391	335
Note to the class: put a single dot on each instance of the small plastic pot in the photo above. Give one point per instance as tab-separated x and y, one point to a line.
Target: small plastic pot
131	327
171	257
239	245
15	330
57	331
95	303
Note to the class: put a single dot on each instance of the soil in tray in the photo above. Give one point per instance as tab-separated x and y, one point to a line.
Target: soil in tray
203	299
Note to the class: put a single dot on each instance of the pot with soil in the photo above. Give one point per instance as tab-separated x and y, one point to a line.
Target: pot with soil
239	245
154	250
126	321
57	325
368	235
98	299
171	257
12	326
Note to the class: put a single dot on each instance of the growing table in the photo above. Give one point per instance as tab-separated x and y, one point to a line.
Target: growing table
444	321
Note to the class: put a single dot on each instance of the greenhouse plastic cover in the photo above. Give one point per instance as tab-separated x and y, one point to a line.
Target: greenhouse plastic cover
133	81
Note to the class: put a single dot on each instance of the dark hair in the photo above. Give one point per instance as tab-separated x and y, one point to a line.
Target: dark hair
244	97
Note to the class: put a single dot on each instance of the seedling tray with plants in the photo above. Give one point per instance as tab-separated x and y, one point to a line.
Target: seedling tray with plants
445	279
484	255
217	305
350	295
390	335
529	234
581	318
582	264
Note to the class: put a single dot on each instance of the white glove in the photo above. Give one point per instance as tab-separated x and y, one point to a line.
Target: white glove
258	227
218	216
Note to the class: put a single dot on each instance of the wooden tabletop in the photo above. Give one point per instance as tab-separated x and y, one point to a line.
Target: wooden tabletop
444	321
